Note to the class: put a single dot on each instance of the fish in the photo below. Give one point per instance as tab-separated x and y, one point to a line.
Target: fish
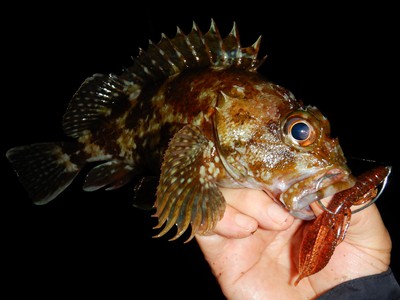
190	115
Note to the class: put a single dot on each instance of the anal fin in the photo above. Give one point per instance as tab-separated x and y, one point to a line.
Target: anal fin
110	175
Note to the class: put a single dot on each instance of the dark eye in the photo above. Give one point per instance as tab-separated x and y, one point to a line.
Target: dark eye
300	131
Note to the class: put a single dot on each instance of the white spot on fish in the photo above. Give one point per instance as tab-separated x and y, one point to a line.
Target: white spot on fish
211	168
204	94
99	157
202	172
95	152
128	167
126	143
239	89
65	160
259	87
199	119
216	172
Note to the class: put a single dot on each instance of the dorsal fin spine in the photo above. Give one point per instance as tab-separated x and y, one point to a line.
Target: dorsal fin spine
257	62
200	49
214	43
158	56
172	54
182	45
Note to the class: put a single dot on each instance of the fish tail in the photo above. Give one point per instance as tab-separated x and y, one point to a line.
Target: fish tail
45	169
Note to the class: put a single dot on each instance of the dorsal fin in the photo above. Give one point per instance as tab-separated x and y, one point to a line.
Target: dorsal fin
194	50
95	100
100	94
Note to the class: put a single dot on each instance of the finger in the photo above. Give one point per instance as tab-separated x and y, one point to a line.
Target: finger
258	205
234	224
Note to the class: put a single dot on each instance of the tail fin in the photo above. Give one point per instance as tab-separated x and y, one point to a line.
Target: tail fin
45	169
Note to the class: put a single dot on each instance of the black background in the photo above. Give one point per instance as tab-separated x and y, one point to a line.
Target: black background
342	60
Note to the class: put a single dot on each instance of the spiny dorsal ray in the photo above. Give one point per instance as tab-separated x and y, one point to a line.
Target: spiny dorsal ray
171	56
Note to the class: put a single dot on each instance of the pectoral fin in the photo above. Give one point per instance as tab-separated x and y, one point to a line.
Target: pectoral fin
187	193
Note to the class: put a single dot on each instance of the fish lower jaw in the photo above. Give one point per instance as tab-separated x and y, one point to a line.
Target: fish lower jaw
302	209
298	203
304	214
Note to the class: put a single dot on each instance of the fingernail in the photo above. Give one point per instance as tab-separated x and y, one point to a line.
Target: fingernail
278	214
247	223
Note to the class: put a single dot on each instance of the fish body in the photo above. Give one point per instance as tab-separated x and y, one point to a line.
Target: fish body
193	112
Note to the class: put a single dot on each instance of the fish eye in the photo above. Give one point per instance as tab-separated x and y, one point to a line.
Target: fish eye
300	131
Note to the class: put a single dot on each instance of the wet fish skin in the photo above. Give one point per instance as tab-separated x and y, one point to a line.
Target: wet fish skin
194	111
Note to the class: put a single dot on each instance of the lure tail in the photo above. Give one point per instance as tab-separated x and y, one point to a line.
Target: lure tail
45	169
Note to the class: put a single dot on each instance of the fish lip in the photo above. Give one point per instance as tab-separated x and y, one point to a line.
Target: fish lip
299	195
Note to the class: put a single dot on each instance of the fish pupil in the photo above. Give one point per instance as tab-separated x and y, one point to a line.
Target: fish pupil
300	131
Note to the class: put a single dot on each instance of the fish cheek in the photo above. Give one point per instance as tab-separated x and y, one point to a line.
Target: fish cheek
234	124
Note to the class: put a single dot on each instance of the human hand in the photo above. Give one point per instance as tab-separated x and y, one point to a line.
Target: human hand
259	259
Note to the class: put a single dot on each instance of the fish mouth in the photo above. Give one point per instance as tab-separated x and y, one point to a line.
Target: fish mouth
299	195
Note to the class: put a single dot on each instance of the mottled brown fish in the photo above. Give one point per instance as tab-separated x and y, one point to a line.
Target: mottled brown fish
193	111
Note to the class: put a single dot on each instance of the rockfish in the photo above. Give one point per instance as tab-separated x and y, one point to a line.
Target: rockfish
193	112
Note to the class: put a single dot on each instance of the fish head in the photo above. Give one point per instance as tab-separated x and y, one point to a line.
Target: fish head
271	141
318	169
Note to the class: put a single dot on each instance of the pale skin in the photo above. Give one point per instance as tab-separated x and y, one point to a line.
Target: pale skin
253	251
